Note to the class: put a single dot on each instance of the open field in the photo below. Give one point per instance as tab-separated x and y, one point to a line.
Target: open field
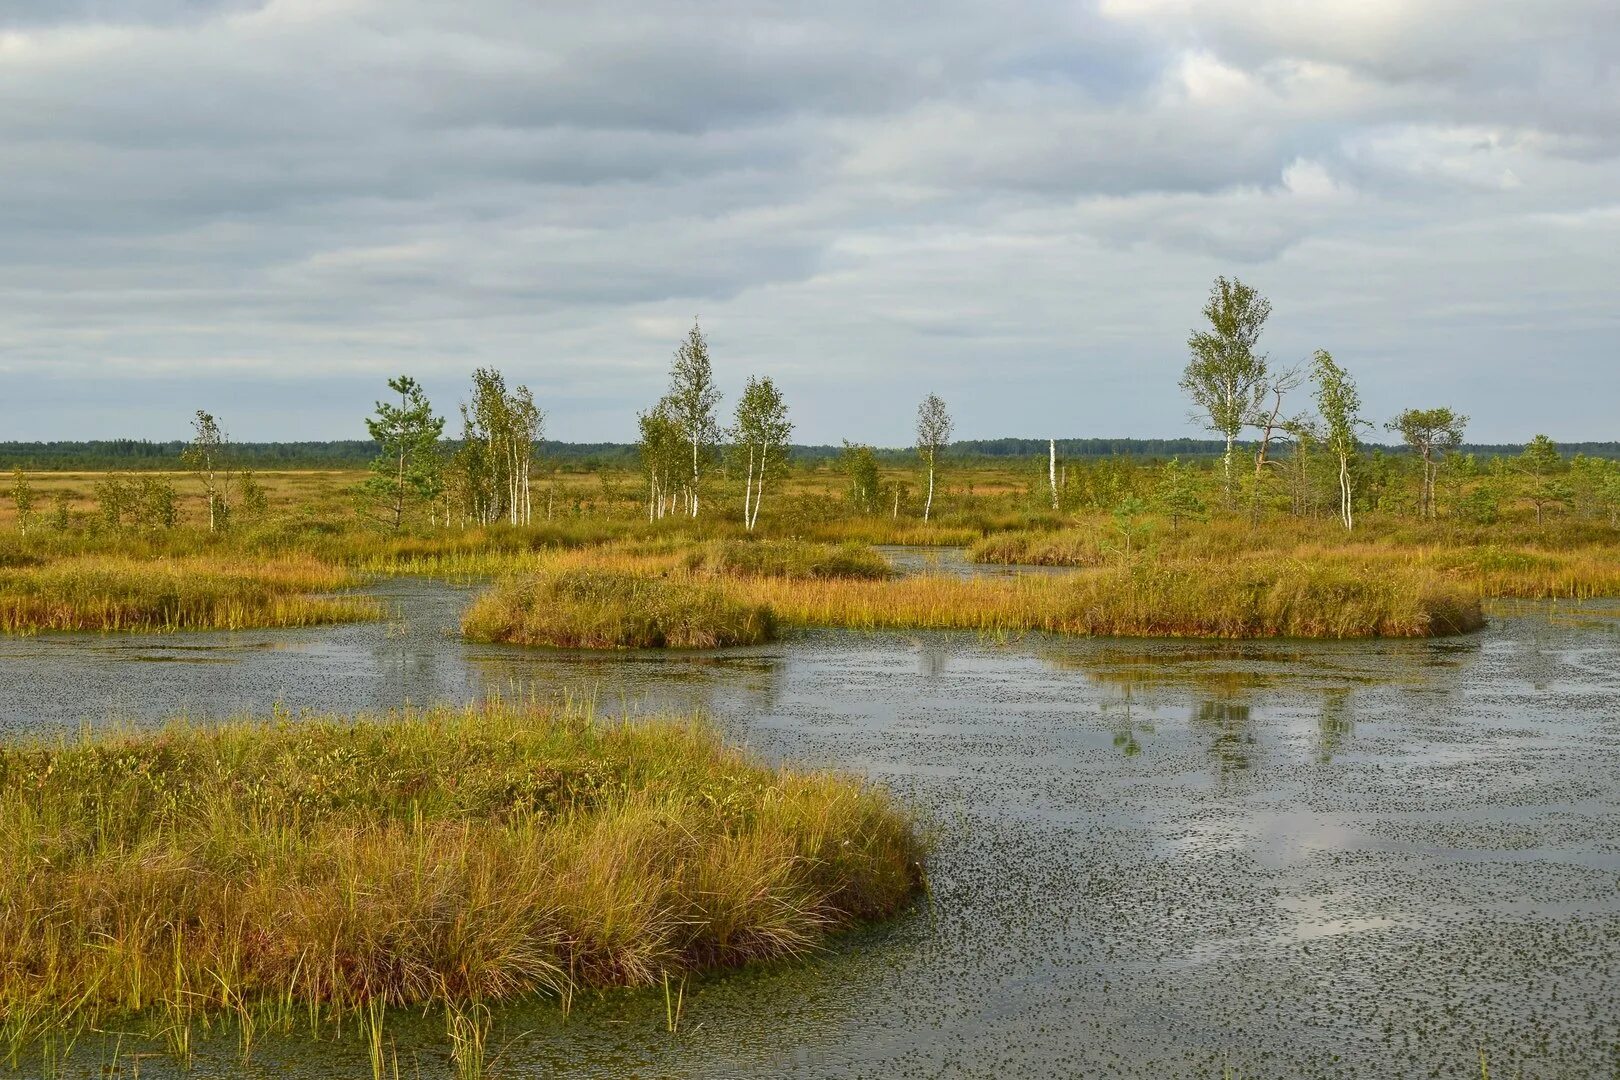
304	868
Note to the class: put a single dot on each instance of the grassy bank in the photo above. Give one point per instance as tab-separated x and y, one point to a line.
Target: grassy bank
314	866
112	593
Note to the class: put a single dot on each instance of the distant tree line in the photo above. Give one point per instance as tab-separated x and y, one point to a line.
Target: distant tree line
139	455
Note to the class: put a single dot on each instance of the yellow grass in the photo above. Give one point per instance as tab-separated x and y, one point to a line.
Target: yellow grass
111	593
452	855
1323	598
600	608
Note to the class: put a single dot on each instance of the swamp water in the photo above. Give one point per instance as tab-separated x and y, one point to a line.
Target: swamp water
1154	858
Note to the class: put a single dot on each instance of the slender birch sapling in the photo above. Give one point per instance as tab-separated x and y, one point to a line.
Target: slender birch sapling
693	399
206	455
22	494
761	439
1340	405
933	433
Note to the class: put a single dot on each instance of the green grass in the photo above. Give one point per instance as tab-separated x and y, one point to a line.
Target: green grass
452	857
604	608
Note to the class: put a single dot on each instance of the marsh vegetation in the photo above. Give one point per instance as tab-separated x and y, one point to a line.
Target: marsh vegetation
303	869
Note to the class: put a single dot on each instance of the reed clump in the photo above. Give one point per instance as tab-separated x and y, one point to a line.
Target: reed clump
787	559
112	593
588	607
447	856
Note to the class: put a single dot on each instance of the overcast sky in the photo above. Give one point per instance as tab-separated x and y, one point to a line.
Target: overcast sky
266	209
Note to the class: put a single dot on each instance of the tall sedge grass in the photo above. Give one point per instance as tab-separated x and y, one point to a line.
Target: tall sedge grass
110	593
1507	565
787	559
1145	598
449	856
1142	600
602	608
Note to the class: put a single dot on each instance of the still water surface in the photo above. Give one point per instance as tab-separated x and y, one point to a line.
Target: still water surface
1154	858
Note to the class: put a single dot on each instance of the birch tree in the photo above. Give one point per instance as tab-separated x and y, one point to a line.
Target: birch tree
761	437
1340	405
500	429
693	399
1051	470
1433	434
660	449
524	424
207	456
1225	377
406	471
933	433
22	494
865	481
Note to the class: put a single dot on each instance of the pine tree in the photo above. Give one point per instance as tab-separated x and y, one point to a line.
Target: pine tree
406	471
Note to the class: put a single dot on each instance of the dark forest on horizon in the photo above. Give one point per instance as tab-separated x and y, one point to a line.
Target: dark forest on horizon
131	454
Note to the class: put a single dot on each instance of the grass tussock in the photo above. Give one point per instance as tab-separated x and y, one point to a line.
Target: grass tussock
787	559
605	608
1143	600
1070	547
623	601
110	593
447	856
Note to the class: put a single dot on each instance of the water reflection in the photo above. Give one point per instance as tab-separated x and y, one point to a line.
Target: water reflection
931	659
1233	740
1336	723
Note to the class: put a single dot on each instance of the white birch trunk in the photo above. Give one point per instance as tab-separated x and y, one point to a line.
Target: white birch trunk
1051	471
928	506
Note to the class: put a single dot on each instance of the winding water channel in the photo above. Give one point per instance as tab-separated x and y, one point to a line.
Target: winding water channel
1154	858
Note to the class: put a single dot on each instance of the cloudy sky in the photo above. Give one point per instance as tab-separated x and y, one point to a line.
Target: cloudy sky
267	208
